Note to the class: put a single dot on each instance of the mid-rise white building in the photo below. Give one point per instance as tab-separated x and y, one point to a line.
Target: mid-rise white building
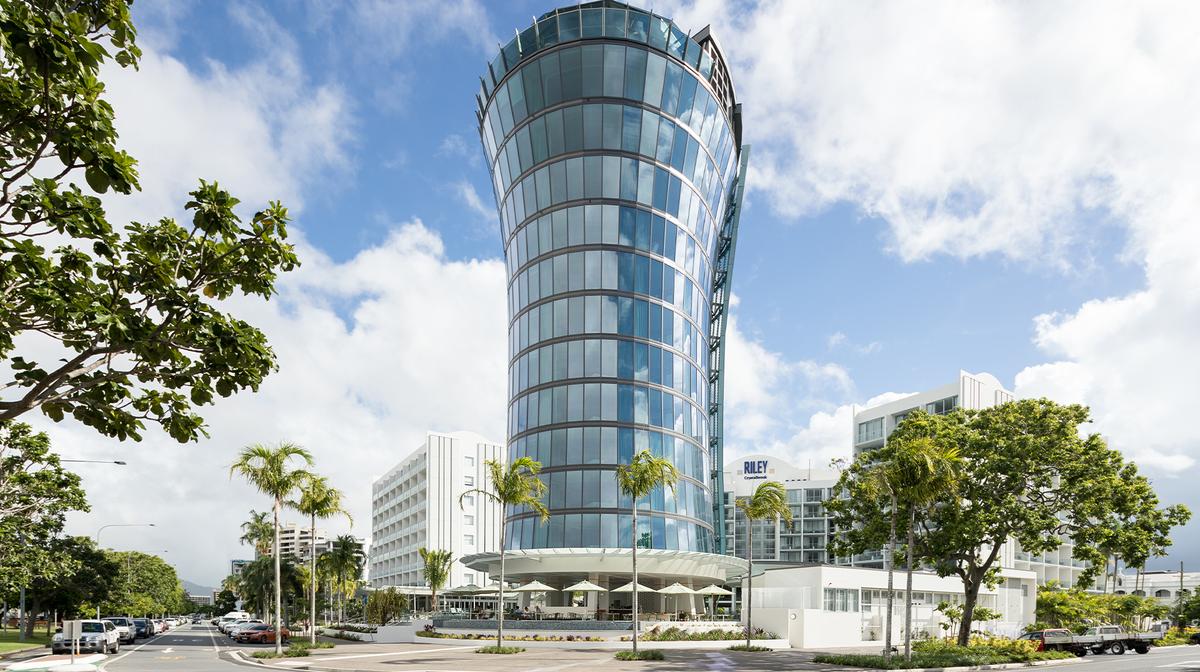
295	541
417	504
1167	586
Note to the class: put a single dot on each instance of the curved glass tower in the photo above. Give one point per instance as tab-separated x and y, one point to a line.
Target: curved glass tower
614	143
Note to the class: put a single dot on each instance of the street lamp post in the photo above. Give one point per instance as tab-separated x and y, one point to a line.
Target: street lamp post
104	527
120	462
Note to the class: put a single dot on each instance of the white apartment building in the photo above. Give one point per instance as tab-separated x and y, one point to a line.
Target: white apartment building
804	540
975	391
416	504
1167	586
236	566
295	541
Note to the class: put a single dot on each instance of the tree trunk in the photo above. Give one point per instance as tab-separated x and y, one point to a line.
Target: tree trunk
500	594
891	596
749	597
31	618
912	519
971	596
278	585
312	582
635	579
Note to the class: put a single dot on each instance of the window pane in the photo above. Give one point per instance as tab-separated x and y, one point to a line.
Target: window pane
614	23
592	126
593	23
568	26
593	70
573	129
635	73
614	70
612	126
572	69
551	87
532	74
639	25
631	129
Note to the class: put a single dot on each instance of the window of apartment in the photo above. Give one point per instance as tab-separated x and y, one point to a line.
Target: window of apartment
870	430
841	599
469	481
468	520
470	461
469	578
942	405
469	539
468	500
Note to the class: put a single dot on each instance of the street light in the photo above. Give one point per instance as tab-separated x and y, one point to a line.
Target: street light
120	462
102	528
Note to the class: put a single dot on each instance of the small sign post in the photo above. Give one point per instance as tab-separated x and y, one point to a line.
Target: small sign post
72	631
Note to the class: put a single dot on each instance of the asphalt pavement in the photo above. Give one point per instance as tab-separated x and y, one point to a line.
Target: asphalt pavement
188	648
1166	659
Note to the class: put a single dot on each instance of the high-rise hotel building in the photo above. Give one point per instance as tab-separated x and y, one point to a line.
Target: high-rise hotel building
614	142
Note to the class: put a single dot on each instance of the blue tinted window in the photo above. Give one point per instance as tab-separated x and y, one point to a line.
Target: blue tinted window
593	70
631	129
532	76
572	71
639	26
593	23
614	23
671	84
548	31
614	70
635	73
551	85
568	26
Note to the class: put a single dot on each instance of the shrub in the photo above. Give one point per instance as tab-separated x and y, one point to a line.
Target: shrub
428	632
644	654
675	634
305	644
750	649
1175	638
290	652
500	649
941	653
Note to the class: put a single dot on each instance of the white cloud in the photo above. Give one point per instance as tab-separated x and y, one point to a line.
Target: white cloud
839	340
470	198
1034	131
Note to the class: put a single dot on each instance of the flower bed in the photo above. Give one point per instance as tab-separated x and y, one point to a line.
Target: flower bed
941	653
674	634
435	634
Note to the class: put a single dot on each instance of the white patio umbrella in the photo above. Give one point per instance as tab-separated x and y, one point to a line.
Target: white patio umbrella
628	588
584	587
677	589
534	587
713	590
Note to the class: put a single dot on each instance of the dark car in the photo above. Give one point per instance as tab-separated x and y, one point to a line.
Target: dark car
143	628
1195	638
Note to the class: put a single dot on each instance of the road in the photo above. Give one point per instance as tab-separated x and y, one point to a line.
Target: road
189	648
1165	659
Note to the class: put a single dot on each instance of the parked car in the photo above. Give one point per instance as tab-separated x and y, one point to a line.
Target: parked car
173	622
1195	638
96	637
261	633
142	627
238	626
196	620
125	628
159	626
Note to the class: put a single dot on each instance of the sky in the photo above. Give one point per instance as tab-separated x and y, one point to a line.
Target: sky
999	187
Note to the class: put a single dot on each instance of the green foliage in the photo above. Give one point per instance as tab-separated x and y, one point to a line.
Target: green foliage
434	634
305	644
144	585
749	648
1076	609
644	474
130	308
1027	474
644	654
259	532
386	604
292	651
93	578
226	602
435	569
1187	610
675	634
937	653
36	493
1176	637
502	650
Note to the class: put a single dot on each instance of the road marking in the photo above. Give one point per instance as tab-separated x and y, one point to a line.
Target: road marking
302	663
1184	663
148	642
168	650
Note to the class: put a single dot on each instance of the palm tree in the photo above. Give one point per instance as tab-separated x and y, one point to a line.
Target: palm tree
924	471
880	483
768	501
512	487
317	500
269	470
257	532
637	480
436	571
346	560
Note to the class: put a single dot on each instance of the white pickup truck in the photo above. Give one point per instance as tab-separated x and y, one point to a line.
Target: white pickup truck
1100	639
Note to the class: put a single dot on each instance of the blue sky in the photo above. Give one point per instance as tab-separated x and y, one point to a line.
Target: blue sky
983	187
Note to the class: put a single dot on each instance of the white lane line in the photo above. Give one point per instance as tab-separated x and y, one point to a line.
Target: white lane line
321	659
213	638
144	644
168	650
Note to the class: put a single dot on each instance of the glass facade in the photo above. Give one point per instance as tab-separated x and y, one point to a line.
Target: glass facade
612	139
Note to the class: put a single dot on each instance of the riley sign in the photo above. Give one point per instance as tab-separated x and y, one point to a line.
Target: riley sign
754	469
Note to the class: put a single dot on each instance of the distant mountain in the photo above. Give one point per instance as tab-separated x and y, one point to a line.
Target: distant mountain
195	588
